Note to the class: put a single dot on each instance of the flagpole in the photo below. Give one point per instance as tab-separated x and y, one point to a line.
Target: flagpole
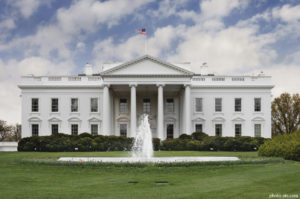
146	44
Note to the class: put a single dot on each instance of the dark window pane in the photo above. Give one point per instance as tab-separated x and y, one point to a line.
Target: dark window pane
54	105
237	104
35	129
218	129
123	105
54	128
94	129
74	129
238	130
198	127
257	104
34	105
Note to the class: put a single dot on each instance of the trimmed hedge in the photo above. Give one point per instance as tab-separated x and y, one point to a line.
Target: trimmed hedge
82	142
286	146
203	142
87	142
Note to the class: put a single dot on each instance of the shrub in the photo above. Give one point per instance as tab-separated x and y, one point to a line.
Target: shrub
194	145
82	142
174	145
185	137
156	144
199	136
286	146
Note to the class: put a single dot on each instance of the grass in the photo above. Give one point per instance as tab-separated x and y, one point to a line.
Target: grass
211	181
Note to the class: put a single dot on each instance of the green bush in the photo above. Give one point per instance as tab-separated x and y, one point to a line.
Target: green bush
156	144
174	144
185	137
194	145
286	146
199	136
86	142
82	142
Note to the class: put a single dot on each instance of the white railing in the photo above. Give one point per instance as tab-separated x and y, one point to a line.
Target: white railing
74	78
55	78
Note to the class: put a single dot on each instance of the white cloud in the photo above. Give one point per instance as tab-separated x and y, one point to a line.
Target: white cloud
134	47
7	24
219	8
287	13
285	78
39	66
10	73
26	7
83	16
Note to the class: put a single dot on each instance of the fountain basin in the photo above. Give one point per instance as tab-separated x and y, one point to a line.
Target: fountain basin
148	160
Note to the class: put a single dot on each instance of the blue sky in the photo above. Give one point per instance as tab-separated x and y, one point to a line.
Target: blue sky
57	37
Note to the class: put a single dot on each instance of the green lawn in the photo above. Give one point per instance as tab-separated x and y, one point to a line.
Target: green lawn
232	181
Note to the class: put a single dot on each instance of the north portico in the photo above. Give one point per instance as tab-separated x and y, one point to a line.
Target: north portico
148	85
110	100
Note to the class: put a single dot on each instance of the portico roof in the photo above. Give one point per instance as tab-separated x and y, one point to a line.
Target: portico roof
147	66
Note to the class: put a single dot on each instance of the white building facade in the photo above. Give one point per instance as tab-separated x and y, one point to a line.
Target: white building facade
176	100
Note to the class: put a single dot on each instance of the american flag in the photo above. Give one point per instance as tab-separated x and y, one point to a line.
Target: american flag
142	31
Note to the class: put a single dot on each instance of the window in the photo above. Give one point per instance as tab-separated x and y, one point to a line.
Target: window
170	105
198	104
34	105
238	104
170	131
257	104
146	105
257	130
74	105
123	130
35	129
198	127
54	129
123	105
238	130
218	129
94	104
218	104
94	129
74	129
54	104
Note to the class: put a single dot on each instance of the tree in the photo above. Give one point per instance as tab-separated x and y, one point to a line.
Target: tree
286	114
5	130
16	132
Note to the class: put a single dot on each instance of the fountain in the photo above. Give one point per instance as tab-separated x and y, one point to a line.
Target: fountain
142	151
142	147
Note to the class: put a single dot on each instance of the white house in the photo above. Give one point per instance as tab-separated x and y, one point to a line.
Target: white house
177	100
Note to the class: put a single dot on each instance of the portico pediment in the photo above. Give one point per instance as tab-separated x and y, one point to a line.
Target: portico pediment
147	66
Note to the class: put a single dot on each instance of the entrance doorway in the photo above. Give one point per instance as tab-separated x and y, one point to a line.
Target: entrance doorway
170	131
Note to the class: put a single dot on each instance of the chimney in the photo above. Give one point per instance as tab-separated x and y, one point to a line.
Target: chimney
88	69
204	69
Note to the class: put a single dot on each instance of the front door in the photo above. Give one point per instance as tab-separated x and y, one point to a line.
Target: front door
170	131
123	130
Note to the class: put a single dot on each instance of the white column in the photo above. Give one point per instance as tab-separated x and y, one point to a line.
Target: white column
160	113
187	109
132	110
106	110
